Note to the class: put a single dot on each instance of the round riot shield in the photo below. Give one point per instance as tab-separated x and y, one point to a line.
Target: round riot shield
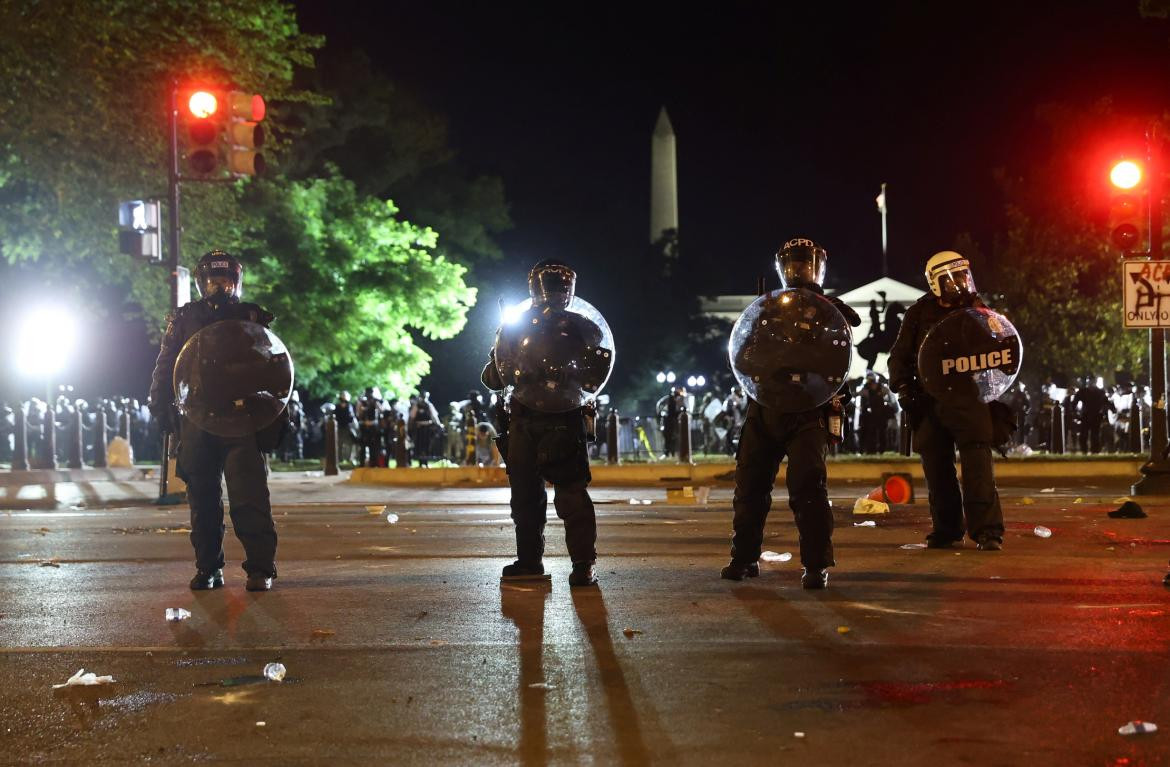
233	378
972	354
790	350
554	360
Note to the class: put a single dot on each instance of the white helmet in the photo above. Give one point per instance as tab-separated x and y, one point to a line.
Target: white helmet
949	276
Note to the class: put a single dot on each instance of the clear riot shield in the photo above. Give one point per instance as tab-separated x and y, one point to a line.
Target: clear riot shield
233	378
791	349
974	353
554	360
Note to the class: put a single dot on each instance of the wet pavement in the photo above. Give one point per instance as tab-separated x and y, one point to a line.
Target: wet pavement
402	647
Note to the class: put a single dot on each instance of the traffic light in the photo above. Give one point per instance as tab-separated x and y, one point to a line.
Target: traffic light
245	134
224	134
1127	214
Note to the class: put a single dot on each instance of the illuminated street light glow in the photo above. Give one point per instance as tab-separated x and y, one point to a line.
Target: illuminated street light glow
511	314
202	104
670	377
700	381
44	342
1126	174
660	378
691	381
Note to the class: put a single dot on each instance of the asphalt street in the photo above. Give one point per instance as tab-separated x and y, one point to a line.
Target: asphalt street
402	647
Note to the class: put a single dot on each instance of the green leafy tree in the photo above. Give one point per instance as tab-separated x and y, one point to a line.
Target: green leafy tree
392	146
349	283
83	118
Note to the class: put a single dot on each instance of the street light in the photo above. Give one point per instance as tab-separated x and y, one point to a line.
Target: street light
670	377
45	341
661	377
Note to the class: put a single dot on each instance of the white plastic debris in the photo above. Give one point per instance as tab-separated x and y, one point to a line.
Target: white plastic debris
392	518
913	546
177	614
1137	727
866	523
1049	490
772	556
1040	531
275	672
82	679
542	686
798	734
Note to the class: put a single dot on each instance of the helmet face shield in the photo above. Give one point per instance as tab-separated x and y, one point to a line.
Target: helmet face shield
219	273
801	262
949	276
552	284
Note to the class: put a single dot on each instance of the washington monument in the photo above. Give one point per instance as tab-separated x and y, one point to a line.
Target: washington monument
663	180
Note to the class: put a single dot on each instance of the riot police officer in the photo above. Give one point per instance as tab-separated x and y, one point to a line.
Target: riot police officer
937	429
769	435
204	458
548	441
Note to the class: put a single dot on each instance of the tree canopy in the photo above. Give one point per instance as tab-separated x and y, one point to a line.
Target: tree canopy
83	126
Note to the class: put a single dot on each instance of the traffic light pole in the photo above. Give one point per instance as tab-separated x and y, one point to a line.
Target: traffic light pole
1156	472
164	496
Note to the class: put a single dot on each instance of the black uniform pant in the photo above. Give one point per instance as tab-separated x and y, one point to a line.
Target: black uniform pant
205	459
768	436
1090	436
550	447
967	427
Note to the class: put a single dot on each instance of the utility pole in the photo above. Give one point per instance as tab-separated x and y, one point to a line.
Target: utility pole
164	495
1156	471
882	208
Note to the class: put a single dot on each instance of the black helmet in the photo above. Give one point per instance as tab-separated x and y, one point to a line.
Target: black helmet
552	282
801	262
211	271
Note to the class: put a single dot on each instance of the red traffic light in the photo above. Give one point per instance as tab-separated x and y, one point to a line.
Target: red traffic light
202	104
1126	174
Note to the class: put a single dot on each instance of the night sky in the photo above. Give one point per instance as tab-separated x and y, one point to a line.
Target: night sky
788	119
787	122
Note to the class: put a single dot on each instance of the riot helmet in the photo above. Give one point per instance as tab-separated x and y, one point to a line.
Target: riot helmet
219	273
801	262
552	283
949	276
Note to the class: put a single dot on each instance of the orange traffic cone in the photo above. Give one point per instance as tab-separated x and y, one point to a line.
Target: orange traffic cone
877	494
896	488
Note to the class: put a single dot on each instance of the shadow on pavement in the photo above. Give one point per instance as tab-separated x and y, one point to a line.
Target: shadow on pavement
623	715
524	606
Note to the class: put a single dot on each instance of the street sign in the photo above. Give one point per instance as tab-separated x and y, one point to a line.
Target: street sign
1145	286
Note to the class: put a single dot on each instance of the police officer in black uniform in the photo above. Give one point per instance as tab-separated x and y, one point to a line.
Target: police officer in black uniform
768	435
204	458
539	447
938	430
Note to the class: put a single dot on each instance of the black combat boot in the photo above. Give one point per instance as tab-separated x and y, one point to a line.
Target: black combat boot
205	580
814	579
258	582
525	571
582	574
737	571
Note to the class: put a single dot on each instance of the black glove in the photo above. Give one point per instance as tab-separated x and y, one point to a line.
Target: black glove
167	417
914	402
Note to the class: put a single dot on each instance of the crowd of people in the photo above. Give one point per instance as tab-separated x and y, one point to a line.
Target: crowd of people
1092	418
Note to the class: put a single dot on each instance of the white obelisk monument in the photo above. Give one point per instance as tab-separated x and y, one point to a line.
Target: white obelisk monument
663	180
